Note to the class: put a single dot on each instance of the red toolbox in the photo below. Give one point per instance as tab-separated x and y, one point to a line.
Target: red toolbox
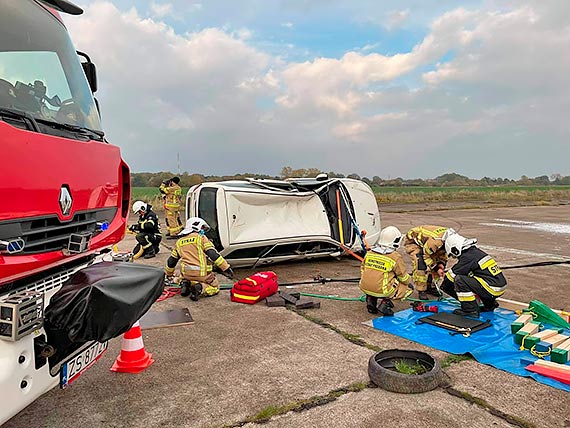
254	288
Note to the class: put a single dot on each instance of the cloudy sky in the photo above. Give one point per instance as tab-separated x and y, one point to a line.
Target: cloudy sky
410	88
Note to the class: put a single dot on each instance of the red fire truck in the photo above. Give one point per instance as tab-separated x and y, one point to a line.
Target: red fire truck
64	195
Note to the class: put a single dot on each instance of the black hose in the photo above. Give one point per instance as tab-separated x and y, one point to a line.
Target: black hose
537	264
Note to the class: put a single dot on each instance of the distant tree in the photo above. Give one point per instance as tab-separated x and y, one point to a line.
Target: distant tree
287	172
353	176
542	180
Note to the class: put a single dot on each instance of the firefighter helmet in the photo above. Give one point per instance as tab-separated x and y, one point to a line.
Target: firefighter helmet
390	237
195	224
139	206
450	231
455	244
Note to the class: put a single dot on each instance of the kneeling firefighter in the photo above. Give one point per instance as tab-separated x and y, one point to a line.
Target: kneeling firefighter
198	260
475	274
148	231
384	274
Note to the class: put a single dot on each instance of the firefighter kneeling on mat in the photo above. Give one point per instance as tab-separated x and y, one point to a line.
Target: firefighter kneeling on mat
147	230
475	274
198	259
384	274
424	245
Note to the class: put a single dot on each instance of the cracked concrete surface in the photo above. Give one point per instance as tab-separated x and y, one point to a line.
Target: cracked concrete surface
237	360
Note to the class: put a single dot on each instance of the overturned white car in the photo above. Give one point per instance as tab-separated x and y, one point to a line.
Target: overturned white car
258	222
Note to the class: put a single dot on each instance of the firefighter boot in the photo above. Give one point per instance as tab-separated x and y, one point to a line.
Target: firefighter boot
371	304
150	253
195	291
386	307
185	288
472	314
489	306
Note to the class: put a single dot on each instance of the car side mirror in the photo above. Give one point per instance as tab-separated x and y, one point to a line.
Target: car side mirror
90	71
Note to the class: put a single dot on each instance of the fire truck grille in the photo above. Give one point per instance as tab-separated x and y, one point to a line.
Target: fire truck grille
48	233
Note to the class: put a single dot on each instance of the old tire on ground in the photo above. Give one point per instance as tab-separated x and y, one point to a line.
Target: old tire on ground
382	371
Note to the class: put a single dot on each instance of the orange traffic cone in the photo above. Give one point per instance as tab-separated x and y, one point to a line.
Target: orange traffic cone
133	357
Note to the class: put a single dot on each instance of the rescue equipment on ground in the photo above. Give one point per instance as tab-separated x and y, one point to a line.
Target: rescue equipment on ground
456	323
254	288
422	307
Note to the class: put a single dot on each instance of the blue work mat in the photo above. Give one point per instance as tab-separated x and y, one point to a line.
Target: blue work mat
493	345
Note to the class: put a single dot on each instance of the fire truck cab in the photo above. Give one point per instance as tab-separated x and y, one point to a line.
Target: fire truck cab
64	196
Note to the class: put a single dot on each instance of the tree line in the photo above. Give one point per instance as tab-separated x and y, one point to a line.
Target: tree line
153	179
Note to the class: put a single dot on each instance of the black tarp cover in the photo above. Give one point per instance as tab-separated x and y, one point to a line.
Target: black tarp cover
102	301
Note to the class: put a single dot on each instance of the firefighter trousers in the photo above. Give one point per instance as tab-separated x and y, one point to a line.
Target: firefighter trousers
466	290
146	243
173	222
209	283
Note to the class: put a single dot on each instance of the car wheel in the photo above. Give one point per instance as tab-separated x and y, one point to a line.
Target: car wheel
383	373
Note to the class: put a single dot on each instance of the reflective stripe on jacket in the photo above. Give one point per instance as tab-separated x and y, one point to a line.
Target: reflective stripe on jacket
383	274
476	263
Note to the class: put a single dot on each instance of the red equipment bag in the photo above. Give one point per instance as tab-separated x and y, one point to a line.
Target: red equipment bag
254	288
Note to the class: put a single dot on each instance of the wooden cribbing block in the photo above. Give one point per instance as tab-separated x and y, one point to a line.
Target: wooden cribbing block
550	342
559	356
520	322
554	366
275	301
550	372
532	340
530	328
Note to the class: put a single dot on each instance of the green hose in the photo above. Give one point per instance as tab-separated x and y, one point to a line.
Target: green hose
344	299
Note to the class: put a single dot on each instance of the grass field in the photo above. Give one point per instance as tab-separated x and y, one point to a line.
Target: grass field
403	195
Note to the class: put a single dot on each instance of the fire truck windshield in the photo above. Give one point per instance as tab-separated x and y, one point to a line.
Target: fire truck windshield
40	73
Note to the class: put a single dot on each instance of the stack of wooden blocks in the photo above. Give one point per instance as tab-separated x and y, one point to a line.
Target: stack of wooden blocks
550	341
527	334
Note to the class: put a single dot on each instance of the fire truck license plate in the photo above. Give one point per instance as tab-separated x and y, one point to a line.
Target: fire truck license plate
78	364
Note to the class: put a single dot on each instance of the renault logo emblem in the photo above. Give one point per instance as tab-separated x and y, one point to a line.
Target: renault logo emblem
65	200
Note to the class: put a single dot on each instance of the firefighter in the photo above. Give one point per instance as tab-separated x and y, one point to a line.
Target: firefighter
475	274
424	245
172	195
198	260
384	274
147	230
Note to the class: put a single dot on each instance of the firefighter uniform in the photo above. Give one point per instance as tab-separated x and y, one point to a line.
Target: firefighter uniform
148	236
424	245
172	199
384	276
475	273
197	255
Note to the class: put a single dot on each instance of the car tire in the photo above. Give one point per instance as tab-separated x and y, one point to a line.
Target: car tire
382	371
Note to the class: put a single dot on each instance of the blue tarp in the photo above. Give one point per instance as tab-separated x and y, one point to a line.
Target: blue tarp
494	345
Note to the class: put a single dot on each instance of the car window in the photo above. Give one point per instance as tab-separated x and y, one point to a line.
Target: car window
207	210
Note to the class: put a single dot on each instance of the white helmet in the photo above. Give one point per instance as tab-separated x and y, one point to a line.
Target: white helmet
455	244
390	239
139	206
195	224
448	233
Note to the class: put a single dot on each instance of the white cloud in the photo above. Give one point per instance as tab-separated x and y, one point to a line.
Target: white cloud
395	18
160	10
287	24
228	107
